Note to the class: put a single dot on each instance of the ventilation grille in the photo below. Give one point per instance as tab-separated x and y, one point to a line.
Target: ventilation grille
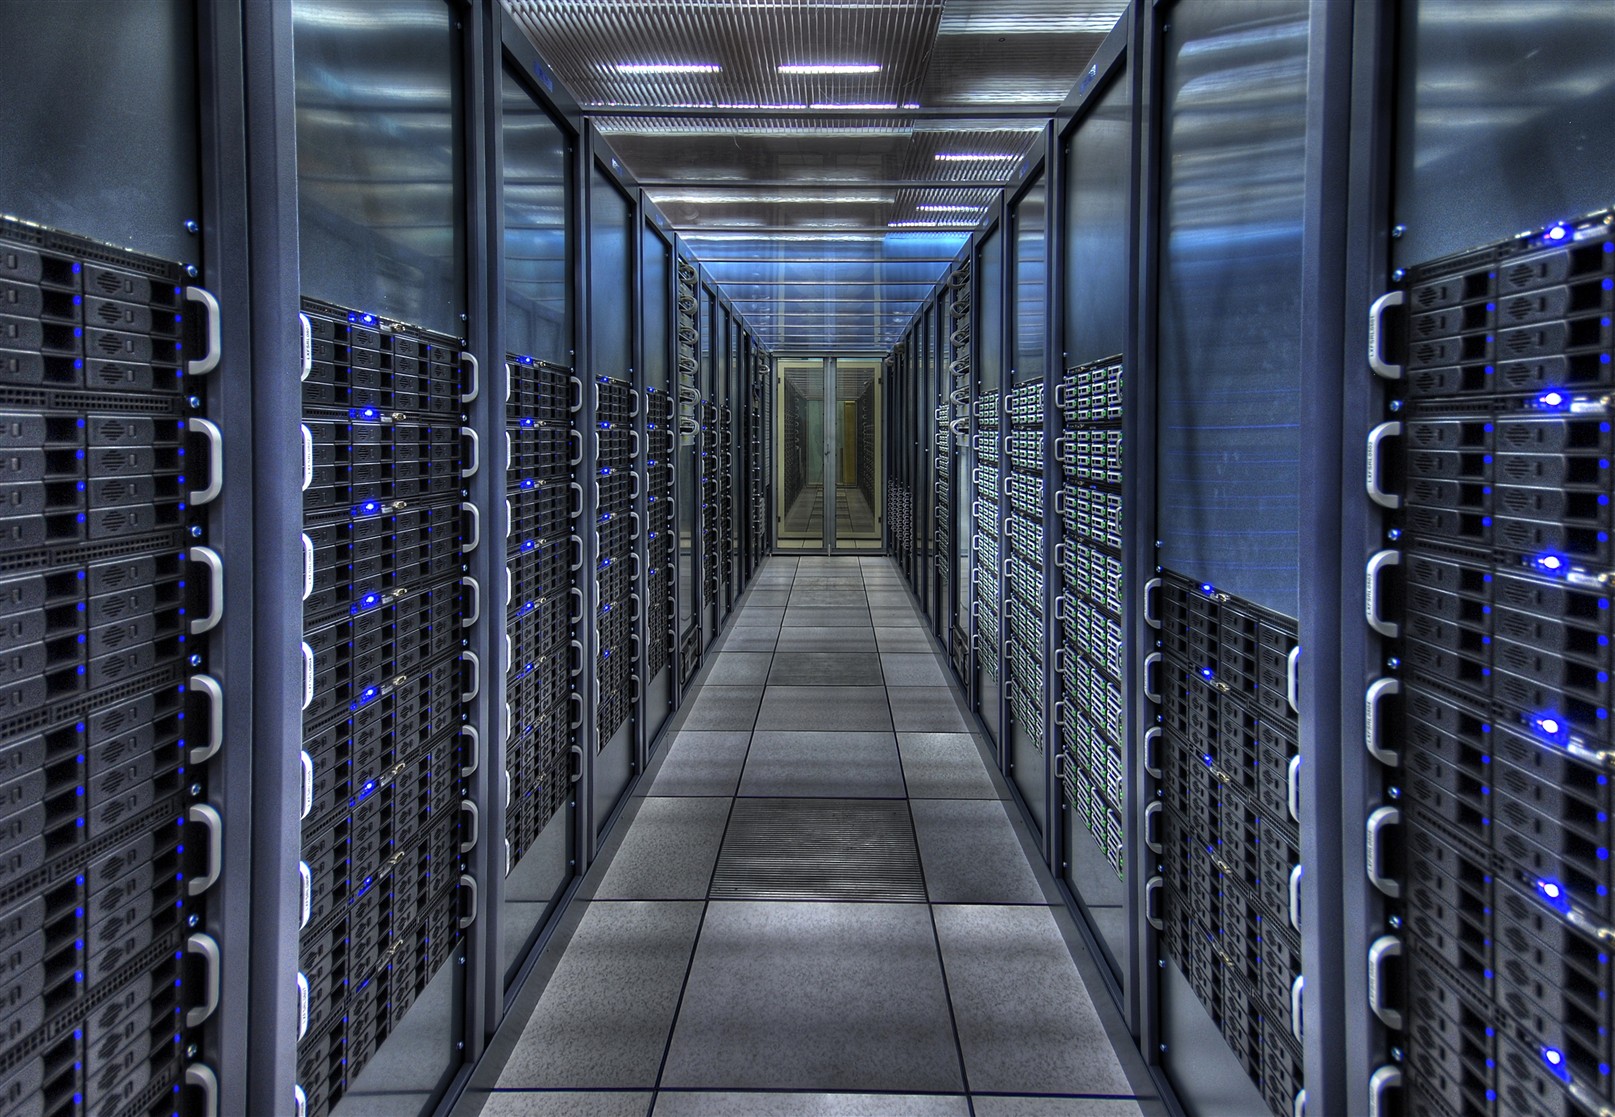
819	849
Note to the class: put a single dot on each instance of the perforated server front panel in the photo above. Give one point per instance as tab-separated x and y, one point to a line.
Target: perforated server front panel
1024	617
617	529
661	606
688	433
953	486
1492	722
386	677
538	603
711	508
107	711
1089	606
757	462
985	539
1230	839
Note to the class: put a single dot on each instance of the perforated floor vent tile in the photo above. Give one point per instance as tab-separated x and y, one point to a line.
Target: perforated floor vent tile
819	849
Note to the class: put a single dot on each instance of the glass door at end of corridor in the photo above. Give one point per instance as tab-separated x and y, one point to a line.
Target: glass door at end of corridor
799	466
858	519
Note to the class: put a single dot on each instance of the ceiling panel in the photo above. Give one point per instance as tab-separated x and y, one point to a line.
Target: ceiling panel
806	192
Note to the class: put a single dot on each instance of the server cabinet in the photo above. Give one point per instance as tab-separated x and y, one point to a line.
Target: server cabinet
687	484
121	356
1101	788
1477	679
660	615
960	303
986	480
534	804
1227	328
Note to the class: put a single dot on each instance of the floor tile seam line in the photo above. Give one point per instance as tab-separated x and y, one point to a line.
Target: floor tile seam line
942	969
1062	1097
706	905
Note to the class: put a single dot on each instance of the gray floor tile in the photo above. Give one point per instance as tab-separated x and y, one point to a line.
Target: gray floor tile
561	1103
926	709
972	854
737	668
826	996
702	762
903	638
706	1104
760	616
892	616
1026	1021
913	669
824	708
743	639
724	707
668	851
823	765
848	598
603	1018
944	766
826	616
1010	1106
843	668
826	639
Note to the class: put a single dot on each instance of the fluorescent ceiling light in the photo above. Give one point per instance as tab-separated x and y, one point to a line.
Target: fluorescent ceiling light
772	199
831	68
927	224
834	105
668	68
951	209
975	157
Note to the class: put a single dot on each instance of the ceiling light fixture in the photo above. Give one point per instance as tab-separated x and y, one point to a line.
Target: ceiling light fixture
830	68
975	157
668	68
834	105
950	209
928	224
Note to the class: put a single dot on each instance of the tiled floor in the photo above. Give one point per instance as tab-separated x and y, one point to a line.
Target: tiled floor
658	999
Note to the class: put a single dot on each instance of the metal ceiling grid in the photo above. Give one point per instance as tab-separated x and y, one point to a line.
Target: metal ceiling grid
815	184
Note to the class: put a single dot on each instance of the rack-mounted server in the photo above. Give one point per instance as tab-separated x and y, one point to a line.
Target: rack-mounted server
1490	725
387	677
1024	627
959	510
108	712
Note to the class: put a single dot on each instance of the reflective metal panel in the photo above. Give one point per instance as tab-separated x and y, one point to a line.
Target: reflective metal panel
1504	119
537	206
989	297
1031	282
1098	240
114	158
1230	295
378	158
611	292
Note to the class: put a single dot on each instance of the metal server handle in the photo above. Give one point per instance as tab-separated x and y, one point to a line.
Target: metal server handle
305	894
1152	890
308	675
201	1076
308	567
208	687
470	882
301	983
476	377
1292	679
1378	691
467	807
1376	566
305	764
575	404
208	818
577	542
574	437
209	558
308	455
306	328
1293	787
1382	951
476	452
207	948
476	528
474	750
215	460
1376	441
1152	617
475	589
1295	896
1381	1083
215	332
1296	987
1376	335
1152	837
475	661
577	511
510	381
633	394
1153	693
1152	758
1377	822
577	773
